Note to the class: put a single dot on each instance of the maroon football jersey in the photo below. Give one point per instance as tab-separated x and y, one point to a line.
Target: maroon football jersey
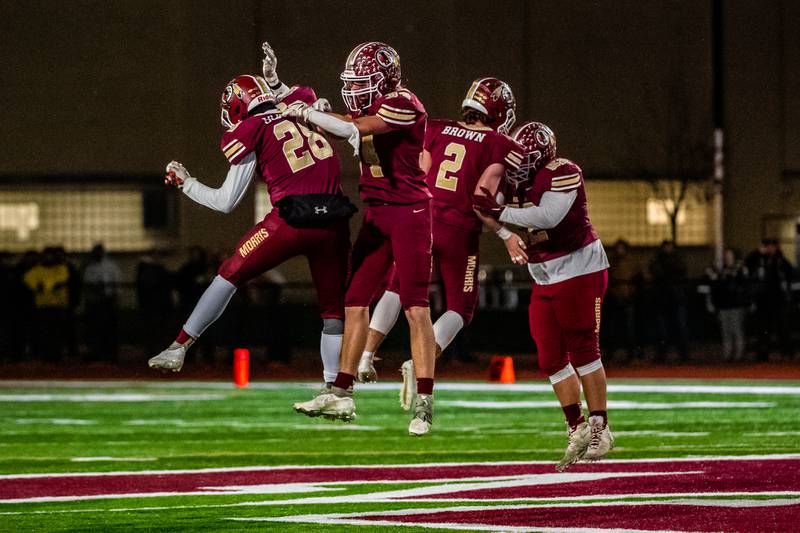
459	155
390	172
575	230
291	159
299	93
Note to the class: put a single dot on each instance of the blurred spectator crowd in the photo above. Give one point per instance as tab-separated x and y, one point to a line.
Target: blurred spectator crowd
53	308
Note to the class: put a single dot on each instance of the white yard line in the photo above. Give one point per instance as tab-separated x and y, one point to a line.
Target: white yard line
612	404
792	390
109	397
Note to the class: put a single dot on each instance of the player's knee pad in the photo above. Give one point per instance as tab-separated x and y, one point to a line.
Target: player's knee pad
562	374
588	368
332	326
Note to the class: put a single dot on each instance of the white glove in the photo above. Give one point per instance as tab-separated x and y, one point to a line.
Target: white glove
176	174
269	65
322	104
298	110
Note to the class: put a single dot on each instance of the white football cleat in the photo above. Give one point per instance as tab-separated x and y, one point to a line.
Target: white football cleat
335	405
366	370
579	438
409	388
601	441
423	416
169	359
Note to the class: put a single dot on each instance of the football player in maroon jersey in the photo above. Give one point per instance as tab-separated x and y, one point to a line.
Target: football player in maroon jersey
310	218
459	156
386	126
570	273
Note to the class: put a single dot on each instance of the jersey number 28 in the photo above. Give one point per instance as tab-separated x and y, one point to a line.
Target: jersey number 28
298	135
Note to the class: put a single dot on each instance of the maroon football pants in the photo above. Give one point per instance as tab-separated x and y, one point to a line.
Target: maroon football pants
272	241
565	321
455	255
399	234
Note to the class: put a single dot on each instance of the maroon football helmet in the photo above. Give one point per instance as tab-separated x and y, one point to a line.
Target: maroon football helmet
241	95
493	98
372	69
539	142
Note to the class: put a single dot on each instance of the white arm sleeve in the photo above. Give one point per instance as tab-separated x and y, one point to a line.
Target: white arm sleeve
232	190
340	128
550	211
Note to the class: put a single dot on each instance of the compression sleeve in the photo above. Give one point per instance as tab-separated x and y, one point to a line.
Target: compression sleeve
336	126
548	214
228	196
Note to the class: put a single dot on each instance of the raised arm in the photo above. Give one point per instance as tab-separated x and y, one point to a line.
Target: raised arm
223	199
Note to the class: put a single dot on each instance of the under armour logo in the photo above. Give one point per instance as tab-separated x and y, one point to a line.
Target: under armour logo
321	210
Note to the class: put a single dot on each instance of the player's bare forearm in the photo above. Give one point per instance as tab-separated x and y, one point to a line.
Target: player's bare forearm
371	125
425	161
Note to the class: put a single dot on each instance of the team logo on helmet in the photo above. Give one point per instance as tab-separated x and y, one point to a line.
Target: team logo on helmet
385	58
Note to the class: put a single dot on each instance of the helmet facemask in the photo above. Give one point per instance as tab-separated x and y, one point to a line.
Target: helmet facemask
523	174
358	92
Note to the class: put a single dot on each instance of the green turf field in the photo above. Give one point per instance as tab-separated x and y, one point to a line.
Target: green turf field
168	426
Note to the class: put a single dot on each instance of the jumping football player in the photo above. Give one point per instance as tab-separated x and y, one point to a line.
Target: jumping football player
570	273
299	167
386	125
459	157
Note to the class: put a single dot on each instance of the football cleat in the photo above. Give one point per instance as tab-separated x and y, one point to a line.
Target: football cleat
579	438
601	441
423	416
337	404
366	370
169	359
409	388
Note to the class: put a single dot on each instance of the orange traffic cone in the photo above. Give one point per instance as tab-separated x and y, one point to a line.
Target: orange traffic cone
501	369
241	367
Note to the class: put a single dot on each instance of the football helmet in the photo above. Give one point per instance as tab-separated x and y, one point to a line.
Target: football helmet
539	142
372	70
493	98
241	95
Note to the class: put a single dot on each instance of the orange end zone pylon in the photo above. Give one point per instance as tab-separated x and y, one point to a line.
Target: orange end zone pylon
501	369
241	367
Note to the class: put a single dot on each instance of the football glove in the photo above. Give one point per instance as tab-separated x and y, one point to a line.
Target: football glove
487	204
269	65
299	110
176	174
322	104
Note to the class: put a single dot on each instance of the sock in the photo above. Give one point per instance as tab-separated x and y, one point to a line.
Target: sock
344	380
386	312
367	356
573	414
183	337
601	414
446	328
329	348
210	306
425	386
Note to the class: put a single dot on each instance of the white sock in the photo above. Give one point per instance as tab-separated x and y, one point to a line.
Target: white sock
386	312
330	346
210	306
367	356
446	328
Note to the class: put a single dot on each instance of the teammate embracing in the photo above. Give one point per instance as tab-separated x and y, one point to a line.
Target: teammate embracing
310	217
386	126
459	157
570	273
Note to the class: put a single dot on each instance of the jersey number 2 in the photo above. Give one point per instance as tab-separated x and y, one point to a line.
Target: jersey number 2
457	152
298	134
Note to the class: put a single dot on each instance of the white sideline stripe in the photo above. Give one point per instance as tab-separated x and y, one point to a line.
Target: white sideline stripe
612	404
55	421
442	386
113	397
766	457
